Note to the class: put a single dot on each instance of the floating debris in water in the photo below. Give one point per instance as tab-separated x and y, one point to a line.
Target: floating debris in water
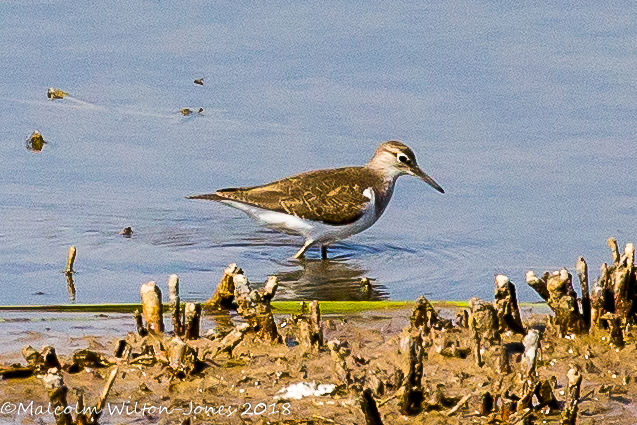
127	232
187	111
35	142
54	93
199	81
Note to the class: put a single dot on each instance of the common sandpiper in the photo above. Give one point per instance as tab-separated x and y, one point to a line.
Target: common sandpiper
325	206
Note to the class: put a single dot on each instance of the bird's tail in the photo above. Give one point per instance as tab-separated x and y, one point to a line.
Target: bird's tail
209	197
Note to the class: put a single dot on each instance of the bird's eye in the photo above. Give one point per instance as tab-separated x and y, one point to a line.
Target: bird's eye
403	158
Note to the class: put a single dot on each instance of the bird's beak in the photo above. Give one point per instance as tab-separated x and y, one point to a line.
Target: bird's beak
417	172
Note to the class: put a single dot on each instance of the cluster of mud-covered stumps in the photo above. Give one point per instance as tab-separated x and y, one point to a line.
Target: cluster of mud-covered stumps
484	364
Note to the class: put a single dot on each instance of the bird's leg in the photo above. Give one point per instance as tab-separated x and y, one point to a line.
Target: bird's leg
301	253
323	252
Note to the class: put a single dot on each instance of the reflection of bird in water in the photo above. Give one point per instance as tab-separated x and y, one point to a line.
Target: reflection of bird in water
35	142
54	93
327	280
199	81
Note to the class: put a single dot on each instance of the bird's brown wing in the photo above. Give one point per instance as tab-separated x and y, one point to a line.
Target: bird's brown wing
330	196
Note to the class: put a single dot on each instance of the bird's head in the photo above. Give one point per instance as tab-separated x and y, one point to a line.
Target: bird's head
395	159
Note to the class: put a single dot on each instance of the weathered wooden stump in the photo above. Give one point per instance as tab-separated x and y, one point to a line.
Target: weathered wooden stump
616	289
340	351
370	409
624	285
85	358
562	299
526	394
509	406
615	328
599	304
538	284
208	350
139	324
542	390
484	327
68	272
531	345
502	360
476	339
122	350
614	250
152	308
424	316
432	330
81	418
486	404
411	394
181	356
254	306
438	400
506	305
175	304
173	289
70	260
50	357
315	324
57	392
311	331
545	396
585	302
224	293
43	360
34	359
462	319
484	320
178	324
571	407
192	320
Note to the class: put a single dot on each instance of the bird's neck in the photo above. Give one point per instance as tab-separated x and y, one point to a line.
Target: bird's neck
387	171
385	192
386	176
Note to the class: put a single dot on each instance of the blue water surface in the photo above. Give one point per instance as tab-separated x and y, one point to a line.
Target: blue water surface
525	114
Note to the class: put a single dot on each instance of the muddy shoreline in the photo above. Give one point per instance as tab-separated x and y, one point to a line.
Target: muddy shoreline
257	371
235	360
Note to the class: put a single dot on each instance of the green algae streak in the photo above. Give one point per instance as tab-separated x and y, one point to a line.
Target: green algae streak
280	307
